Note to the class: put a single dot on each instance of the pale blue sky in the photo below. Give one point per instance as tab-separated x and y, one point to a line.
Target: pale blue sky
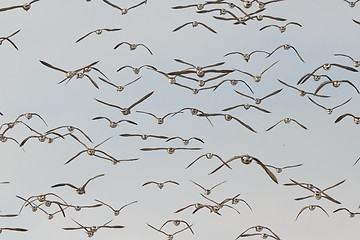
327	150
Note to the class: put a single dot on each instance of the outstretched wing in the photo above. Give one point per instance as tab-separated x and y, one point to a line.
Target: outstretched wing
141	100
342	116
100	175
209	28
63	184
274	125
181	26
51	66
146	48
119	44
271	175
297	216
81	38
267	26
9	8
272	94
134	6
108	104
301	125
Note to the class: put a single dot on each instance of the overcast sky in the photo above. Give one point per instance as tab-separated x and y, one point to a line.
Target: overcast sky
327	150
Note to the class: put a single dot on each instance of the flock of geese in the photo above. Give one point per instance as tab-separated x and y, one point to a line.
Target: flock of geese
192	78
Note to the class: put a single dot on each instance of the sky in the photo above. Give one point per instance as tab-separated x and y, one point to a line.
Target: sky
327	150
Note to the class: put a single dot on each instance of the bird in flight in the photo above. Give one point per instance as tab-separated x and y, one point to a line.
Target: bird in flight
199	6
329	110
98	32
258	229
202	82
25	6
246	107
238	20
286	120
247	159
326	66
170	150
286	47
125	10
207	191
119	88
160	184
280	169
71	129
263	4
170	236
227	117
194	90
233	82
336	84
281	28
194	112
195	24
351	214
127	111
199	70
116	211
176	222
317	192
136	70
259	100
79	190
79	73
311	208
356	63
248	4
356	119
257	78
208	156
93	151
133	46
246	56
159	120
143	136
90	231
352	3
114	124
185	141
302	92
